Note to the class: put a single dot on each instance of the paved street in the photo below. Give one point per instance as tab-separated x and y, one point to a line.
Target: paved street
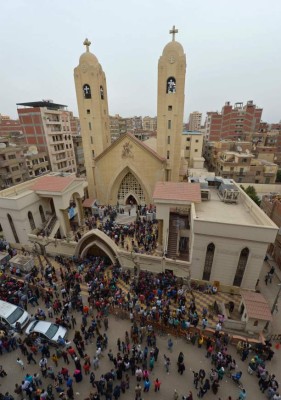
194	360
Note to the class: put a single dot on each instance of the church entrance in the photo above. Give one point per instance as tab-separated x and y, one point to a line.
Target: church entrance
131	200
130	191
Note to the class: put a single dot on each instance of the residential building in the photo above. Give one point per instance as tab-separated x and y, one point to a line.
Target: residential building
9	127
79	155
192	144
13	169
149	123
194	123
47	125
244	168
37	163
234	122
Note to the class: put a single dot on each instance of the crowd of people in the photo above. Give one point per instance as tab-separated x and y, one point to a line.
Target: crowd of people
56	294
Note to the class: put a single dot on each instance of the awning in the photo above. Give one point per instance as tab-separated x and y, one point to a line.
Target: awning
87	203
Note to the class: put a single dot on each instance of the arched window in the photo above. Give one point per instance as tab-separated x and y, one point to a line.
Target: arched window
171	85
243	259
31	220
43	219
208	261
130	185
87	91
10	219
101	93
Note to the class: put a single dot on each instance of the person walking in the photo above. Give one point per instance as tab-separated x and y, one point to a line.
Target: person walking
20	363
138	392
170	345
157	385
30	358
146	385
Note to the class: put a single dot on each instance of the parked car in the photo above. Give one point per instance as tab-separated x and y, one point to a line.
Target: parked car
13	316
46	331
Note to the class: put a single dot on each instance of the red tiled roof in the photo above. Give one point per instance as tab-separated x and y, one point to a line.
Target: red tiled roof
53	183
181	191
256	305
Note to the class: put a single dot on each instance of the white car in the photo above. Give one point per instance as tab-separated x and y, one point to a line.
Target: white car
10	315
47	331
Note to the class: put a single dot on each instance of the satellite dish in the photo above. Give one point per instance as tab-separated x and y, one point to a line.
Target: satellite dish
247	151
239	148
3	145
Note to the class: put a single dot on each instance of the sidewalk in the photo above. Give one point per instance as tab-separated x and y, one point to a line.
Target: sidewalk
270	292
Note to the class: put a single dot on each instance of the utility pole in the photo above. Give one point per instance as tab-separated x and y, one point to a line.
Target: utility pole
274	304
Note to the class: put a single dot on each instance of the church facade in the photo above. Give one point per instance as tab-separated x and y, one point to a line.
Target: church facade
127	170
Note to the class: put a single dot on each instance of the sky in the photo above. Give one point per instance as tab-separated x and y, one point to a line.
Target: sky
233	52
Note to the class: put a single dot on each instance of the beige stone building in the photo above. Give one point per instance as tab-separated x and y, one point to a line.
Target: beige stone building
192	147
194	123
149	123
127	170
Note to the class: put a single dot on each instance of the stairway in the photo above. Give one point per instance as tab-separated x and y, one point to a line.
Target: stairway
54	228
172	250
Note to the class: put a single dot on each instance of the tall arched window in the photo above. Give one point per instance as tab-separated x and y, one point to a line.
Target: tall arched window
10	219
130	185
242	263
87	91
171	85
31	220
208	261
43	219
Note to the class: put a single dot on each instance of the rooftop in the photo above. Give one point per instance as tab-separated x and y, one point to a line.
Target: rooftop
53	183
256	305
177	191
43	103
218	211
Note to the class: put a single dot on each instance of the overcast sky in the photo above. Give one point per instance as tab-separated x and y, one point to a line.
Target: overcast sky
233	51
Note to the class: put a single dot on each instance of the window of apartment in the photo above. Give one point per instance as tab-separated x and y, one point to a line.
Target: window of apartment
67	146
168	155
88	111
258	173
187	147
93	153
90	126
169	124
196	141
168	139
91	138
170	108
188	139
11	156
15	168
196	150
244	160
231	168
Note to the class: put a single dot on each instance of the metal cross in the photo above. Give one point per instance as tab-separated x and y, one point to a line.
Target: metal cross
173	32
87	43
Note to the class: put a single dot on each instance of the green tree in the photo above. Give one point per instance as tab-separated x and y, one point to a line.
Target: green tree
251	192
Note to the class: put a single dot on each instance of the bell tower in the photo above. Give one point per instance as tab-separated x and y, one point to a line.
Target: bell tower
170	105
91	94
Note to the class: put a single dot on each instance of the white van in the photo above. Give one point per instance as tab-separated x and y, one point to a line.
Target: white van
10	314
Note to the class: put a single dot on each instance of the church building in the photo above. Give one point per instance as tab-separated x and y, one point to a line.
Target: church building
127	170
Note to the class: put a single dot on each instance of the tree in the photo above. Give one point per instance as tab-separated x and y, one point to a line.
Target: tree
251	192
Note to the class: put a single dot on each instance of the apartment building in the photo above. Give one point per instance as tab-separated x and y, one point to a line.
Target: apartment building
79	155
234	122
13	169
244	167
47	125
36	163
192	144
149	123
9	127
194	123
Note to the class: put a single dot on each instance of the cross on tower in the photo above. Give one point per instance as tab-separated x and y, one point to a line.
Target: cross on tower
87	43
173	32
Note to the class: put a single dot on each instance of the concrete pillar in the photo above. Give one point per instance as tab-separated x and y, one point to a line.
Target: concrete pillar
80	211
66	228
